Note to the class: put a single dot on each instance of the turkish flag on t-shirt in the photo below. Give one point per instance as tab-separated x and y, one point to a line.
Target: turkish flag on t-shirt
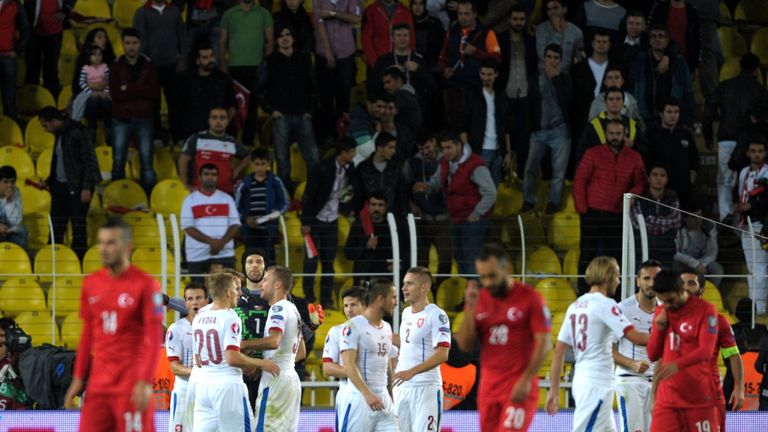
210	210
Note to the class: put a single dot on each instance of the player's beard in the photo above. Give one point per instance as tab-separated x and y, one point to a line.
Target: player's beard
499	290
256	281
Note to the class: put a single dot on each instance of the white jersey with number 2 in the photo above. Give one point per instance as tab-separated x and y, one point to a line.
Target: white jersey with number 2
420	334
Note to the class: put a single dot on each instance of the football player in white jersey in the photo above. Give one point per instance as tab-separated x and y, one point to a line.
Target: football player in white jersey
279	400
366	350
353	302
178	348
633	375
221	397
425	339
592	324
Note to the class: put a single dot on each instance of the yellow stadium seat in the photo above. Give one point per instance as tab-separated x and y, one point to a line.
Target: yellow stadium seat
91	260
38	229
165	164
64	97
19	159
571	264
21	294
564	231
759	45
71	328
293	226
732	42
344	227
456	322
753	11
67	294
40	326
34	200
167	197
725	13
43	164
104	158
298	166
69	43
37	138
542	261
731	69
10	133
32	98
712	295
298	194
94	9
125	194
123	11
570	206
15	261
362	70
342	265
144	227
66	262
509	199
534	231
450	293
557	293
149	260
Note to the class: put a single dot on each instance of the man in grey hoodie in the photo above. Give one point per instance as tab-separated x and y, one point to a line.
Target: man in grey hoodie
11	210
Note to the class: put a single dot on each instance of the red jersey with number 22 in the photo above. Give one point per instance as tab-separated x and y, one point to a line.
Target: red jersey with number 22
688	341
122	318
507	327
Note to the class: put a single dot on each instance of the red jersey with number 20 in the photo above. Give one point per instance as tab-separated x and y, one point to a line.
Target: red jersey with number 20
688	341
507	327
122	318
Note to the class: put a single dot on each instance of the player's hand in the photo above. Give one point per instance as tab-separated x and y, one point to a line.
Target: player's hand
640	366
737	398
662	321
471	294
75	388
374	402
142	392
403	376
270	366
316	316
666	370
520	391
553	403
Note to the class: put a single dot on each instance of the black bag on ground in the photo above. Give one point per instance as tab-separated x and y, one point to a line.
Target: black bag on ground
47	373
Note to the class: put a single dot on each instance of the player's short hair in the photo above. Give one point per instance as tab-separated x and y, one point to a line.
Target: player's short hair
284	275
423	273
667	281
601	270
493	250
648	264
218	283
119	224
234	274
354	292
699	276
196	285
379	288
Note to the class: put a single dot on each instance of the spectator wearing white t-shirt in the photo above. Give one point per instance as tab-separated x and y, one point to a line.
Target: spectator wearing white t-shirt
210	221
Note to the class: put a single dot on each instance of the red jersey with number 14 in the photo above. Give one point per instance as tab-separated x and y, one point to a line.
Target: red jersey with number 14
688	341
122	331
507	327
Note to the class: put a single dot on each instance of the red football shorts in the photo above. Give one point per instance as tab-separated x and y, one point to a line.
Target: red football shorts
500	415
108	413
666	419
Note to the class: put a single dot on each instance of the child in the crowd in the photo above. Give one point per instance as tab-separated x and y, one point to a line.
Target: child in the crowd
94	80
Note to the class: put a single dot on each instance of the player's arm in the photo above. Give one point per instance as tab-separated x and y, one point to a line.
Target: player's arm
637	337
555	373
271	342
239	360
637	366
541	347
301	354
655	347
179	369
436	359
333	369
737	368
467	334
353	374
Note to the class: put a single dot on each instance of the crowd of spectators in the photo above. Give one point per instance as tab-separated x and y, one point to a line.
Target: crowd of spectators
460	95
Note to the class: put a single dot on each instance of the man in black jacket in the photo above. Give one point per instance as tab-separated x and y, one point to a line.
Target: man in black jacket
381	172
668	13
418	74
326	194
74	174
731	103
370	250
550	95
480	107
587	77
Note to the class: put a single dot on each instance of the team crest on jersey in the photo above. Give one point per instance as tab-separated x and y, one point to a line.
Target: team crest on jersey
346	331
277	308
125	300
170	335
712	324
685	327
514	314
420	322
443	319
235	328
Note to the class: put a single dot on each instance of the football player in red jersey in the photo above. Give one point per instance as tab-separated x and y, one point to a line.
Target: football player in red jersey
121	308
693	282
684	336
513	324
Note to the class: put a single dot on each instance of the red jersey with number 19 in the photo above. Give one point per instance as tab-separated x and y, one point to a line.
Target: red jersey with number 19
688	341
122	318
507	327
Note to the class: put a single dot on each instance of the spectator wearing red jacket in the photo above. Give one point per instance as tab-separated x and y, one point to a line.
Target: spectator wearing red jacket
14	34
378	20
604	175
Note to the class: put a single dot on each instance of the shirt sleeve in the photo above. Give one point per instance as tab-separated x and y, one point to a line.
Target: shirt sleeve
331	347
725	336
187	219
240	151
350	337
234	215
612	316
540	317
276	319
173	349
441	330
565	335
655	345
83	356
190	146
233	333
